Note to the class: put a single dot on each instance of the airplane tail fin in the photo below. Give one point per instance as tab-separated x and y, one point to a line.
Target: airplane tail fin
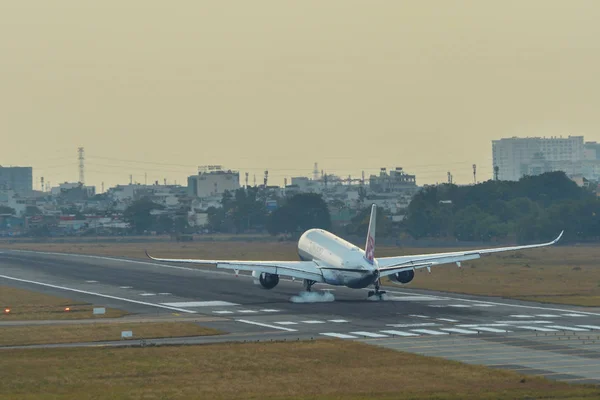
370	245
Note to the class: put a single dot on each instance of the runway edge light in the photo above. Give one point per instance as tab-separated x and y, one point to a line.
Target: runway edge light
7	311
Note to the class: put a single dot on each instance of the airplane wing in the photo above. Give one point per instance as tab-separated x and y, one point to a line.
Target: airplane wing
294	269
391	265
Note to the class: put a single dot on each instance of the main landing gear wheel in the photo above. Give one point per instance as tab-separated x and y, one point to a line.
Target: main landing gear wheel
377	293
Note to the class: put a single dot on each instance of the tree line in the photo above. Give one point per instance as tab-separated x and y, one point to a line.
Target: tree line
531	209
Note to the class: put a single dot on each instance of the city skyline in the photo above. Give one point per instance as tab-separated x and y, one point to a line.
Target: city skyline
148	87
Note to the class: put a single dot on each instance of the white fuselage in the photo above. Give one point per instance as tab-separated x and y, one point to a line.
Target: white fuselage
341	262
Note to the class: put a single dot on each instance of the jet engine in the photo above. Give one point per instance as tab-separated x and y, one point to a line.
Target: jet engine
266	280
403	277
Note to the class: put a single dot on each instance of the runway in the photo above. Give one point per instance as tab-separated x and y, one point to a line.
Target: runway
559	342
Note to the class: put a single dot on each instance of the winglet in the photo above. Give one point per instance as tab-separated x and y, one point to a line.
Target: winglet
148	255
558	238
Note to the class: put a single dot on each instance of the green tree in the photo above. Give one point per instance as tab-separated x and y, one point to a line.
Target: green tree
300	213
359	225
138	214
32	210
7	210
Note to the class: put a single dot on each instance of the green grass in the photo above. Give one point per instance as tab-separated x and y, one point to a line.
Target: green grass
30	305
325	369
72	333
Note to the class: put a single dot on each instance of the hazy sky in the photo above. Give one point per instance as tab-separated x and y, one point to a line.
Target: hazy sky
162	87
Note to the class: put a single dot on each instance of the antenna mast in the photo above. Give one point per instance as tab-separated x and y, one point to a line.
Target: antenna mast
81	165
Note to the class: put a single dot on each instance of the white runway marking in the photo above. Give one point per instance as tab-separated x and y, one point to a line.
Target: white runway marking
488	329
313	321
547	316
99	294
523	322
269	310
411	325
369	334
418	316
223	312
592	327
482	303
459	305
429	332
574	315
399	333
286	323
337	320
413	298
248	311
125	287
245	321
521	316
568	328
147	294
338	335
478	325
164	294
447	319
458	330
201	304
91	281
537	328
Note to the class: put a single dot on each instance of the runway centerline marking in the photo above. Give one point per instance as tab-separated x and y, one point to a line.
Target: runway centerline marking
98	294
245	321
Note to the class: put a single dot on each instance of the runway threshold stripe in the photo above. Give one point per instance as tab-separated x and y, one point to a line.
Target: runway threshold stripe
245	321
567	328
592	327
399	333
338	335
98	294
537	328
488	329
429	332
369	334
458	330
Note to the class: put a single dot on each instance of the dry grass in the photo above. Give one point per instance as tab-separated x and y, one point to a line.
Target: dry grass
73	333
300	370
30	305
560	274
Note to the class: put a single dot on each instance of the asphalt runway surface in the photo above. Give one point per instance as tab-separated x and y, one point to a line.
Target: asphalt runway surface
555	341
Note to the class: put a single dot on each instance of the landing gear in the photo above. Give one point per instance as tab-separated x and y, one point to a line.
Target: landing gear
376	293
307	283
308	296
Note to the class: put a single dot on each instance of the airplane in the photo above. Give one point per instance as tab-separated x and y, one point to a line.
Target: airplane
329	259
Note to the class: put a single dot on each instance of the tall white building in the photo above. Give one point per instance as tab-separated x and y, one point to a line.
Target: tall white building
213	181
516	157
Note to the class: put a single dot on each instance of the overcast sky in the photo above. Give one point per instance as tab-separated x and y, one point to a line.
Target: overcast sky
158	87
